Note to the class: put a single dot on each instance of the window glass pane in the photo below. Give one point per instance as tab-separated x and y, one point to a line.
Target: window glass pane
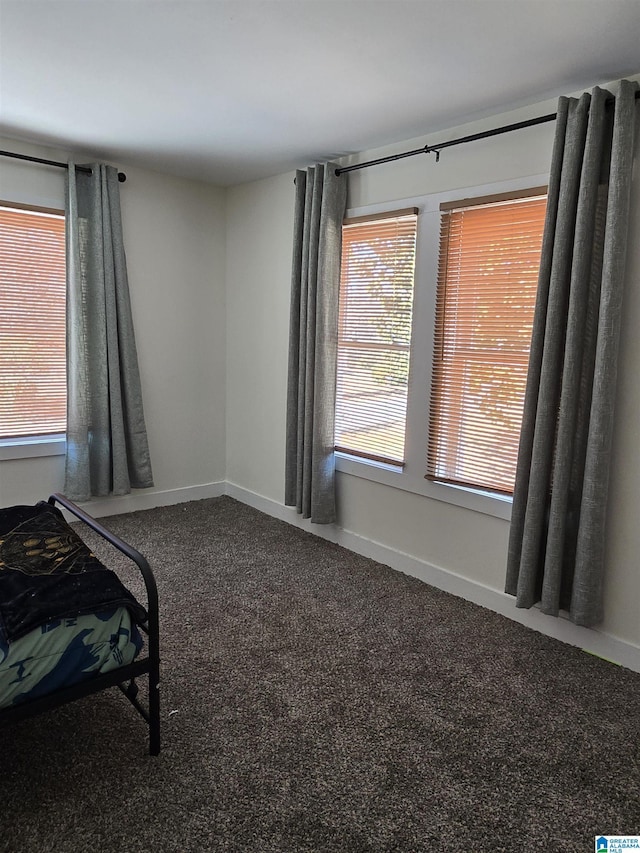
32	323
487	282
374	336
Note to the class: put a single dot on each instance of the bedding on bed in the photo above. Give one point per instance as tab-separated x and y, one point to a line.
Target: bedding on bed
63	652
47	573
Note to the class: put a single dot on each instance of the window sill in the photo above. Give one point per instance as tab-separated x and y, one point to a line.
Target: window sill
29	447
487	503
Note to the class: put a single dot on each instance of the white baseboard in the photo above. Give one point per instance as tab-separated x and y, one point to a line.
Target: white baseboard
149	499
590	640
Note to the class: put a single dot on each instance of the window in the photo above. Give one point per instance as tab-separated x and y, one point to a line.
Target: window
32	322
374	335
448	421
487	282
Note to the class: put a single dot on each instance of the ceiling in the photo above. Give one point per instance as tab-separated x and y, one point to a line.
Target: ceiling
233	90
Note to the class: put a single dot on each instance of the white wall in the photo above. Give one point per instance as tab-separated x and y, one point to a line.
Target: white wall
429	538
174	234
259	229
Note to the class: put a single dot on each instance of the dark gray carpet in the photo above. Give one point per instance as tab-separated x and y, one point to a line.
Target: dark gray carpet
314	700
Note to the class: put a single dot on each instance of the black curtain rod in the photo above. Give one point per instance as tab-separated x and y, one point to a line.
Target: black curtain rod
121	175
435	149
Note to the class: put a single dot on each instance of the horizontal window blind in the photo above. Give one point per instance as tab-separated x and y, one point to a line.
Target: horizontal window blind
487	281
374	335
32	323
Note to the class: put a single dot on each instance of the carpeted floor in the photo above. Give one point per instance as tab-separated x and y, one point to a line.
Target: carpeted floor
313	700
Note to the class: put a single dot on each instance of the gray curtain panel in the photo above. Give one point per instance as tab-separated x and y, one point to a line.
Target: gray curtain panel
556	545
107	449
320	204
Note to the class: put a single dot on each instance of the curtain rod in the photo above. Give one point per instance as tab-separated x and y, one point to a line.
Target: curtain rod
435	149
121	175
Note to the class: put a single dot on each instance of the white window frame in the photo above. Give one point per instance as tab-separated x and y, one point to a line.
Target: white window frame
27	447
412	477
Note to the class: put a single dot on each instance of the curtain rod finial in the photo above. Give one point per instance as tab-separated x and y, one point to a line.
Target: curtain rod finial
122	177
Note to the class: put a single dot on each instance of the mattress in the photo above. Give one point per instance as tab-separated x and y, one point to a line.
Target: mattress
62	652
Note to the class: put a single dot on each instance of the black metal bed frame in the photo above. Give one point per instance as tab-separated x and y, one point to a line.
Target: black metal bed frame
118	677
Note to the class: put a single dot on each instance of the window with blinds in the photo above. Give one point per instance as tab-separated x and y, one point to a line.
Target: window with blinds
32	322
487	281
374	334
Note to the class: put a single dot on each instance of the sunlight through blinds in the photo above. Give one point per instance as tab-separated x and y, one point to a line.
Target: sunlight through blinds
374	334
487	282
32	323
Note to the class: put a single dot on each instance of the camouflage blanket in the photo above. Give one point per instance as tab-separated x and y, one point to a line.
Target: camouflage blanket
64	652
47	572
